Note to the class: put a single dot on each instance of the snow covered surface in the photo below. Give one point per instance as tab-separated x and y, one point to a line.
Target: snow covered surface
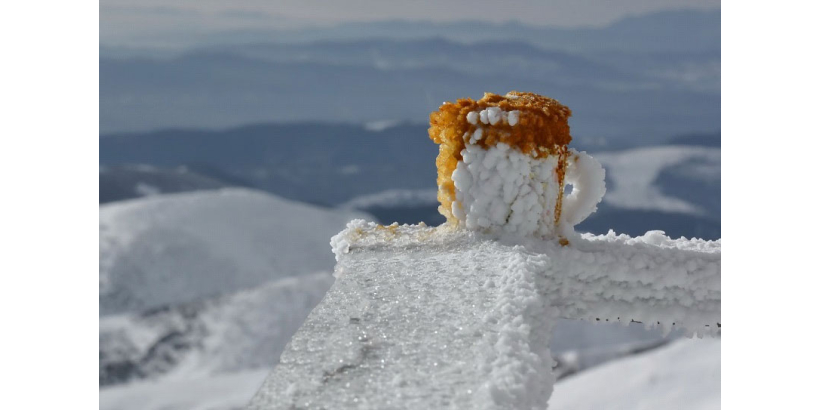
393	198
443	318
236	332
177	248
684	375
222	392
504	189
633	174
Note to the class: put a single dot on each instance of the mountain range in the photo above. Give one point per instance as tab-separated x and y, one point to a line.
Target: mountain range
634	81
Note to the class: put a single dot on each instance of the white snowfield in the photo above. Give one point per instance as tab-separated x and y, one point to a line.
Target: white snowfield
632	175
177	248
441	318
684	375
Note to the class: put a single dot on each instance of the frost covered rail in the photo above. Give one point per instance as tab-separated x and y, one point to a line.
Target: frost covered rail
425	317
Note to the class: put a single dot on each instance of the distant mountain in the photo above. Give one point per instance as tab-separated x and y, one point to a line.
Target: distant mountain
120	182
217	89
703	140
318	163
516	59
635	80
675	30
171	249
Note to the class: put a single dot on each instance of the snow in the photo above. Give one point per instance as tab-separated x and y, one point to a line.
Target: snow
425	317
222	392
143	189
587	178
502	189
381	125
236	332
684	375
633	173
176	248
493	115
393	198
512	116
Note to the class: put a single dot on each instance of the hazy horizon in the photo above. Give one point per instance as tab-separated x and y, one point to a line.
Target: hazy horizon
184	23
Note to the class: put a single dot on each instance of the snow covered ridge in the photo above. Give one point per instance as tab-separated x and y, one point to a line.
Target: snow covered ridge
635	174
424	317
177	248
392	198
236	332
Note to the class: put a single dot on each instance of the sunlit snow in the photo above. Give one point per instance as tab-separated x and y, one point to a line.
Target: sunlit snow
437	317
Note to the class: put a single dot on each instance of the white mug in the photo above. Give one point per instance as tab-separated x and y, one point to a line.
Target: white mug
500	189
503	164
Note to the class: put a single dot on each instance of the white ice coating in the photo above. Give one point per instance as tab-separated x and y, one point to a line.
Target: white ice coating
492	116
512	117
586	175
449	318
502	189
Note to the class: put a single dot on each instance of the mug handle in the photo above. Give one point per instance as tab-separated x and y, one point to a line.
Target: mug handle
586	175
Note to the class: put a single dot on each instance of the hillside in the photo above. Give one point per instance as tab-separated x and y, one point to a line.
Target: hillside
171	249
243	331
120	182
684	375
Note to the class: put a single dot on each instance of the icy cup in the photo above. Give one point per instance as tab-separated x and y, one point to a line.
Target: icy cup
503	164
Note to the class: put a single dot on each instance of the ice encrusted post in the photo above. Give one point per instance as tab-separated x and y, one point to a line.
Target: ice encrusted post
460	316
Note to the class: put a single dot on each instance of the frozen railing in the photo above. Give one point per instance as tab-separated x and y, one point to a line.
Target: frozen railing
424	317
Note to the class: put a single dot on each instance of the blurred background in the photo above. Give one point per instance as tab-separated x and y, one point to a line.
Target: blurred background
237	137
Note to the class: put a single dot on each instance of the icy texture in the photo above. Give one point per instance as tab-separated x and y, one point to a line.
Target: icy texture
445	318
586	176
177	248
493	115
503	189
684	375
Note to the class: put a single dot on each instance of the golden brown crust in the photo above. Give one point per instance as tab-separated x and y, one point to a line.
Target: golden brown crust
542	130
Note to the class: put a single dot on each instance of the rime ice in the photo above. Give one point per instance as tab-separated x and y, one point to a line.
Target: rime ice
425	317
